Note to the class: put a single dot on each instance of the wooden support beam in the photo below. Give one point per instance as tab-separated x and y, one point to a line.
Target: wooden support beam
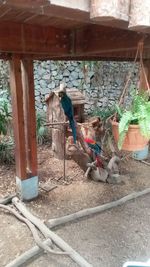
29	39
28	4
66	10
92	41
83	5
27	185
96	39
30	117
18	116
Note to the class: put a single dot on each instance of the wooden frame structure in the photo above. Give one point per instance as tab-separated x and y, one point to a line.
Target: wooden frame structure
59	30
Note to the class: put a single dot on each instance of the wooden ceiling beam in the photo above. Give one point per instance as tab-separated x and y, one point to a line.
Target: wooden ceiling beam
96	39
87	43
78	10
29	39
26	4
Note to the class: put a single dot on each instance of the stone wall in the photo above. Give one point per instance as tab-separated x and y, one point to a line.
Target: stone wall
101	82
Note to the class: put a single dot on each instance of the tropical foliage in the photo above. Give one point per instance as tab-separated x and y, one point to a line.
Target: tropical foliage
137	114
6	142
5	115
103	113
41	130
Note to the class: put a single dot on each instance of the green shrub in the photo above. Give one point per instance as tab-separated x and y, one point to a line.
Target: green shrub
6	150
137	114
6	142
41	130
5	115
103	113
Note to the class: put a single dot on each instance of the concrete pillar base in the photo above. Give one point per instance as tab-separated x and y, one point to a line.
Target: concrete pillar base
27	189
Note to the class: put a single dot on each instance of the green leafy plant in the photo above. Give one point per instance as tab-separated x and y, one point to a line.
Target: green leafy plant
137	114
5	115
6	142
103	113
41	130
7	150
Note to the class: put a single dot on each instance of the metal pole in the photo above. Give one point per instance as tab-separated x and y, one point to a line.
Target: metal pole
64	172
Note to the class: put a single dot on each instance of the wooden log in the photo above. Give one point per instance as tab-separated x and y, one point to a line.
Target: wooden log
6	200
28	255
113	165
90	211
31	227
81	158
140	15
146	163
58	143
112	12
99	175
56	239
87	172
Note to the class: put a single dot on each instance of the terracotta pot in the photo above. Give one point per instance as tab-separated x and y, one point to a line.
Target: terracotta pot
133	141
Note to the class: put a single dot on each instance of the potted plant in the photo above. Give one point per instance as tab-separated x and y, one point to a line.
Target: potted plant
131	126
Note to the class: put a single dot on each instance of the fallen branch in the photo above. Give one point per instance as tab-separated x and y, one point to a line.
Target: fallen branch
112	166
32	228
90	166
87	172
56	239
6	200
87	212
145	162
26	256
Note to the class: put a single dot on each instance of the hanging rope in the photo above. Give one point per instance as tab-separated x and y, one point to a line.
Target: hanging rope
143	68
139	53
129	77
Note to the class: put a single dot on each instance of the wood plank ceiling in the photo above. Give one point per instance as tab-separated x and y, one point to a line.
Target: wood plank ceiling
41	30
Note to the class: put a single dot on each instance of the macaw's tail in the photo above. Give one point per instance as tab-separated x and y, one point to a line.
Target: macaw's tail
73	128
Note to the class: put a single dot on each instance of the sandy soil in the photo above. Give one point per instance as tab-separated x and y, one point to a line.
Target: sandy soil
105	240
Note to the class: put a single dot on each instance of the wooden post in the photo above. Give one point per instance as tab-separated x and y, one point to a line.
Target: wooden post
143	84
29	115
18	117
24	128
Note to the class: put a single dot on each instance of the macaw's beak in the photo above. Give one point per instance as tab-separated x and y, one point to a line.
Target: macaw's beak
61	94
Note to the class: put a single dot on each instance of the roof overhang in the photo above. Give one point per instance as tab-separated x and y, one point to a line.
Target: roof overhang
62	30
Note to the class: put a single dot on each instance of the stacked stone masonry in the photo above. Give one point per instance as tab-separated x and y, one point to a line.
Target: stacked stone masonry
101	82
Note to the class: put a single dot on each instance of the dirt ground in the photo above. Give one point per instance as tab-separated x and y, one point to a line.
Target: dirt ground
107	239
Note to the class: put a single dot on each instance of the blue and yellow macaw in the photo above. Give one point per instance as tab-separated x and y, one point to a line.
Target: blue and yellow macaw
68	110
